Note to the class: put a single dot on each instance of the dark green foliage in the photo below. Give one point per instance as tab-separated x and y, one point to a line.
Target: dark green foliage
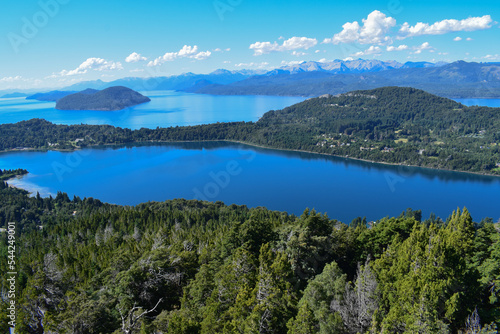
10	173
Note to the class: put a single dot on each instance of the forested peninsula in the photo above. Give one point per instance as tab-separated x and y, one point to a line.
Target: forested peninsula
393	125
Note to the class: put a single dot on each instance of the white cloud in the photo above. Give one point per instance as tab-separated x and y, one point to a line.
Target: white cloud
373	30
299	43
187	51
19	82
136	70
290	44
324	60
370	51
376	29
228	49
259	65
227	62
291	63
445	26
134	57
96	64
457	39
402	47
420	48
202	55
492	57
348	59
299	54
261	48
12	79
469	39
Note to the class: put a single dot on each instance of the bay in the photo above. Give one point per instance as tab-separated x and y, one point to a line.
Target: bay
246	175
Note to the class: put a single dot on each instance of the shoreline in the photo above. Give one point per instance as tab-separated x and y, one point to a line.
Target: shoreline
135	144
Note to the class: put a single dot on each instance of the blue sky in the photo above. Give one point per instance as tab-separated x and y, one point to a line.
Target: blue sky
53	43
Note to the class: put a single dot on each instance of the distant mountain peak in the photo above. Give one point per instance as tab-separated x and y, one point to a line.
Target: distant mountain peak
359	65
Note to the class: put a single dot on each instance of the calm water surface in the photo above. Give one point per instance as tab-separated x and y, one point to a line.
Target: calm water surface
167	108
480	102
278	180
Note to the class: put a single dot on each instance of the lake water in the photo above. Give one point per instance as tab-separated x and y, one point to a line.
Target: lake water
480	102
278	180
167	108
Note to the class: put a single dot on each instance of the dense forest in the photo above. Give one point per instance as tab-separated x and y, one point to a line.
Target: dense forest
197	267
394	125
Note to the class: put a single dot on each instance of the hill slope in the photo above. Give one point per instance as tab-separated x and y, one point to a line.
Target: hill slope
52	96
13	95
113	98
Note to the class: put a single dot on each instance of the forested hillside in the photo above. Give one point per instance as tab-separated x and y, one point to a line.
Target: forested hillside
394	125
198	267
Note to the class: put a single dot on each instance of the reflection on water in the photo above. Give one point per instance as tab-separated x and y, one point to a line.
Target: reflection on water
242	174
403	170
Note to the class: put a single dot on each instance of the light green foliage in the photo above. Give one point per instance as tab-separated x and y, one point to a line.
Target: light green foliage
304	323
425	279
273	297
314	306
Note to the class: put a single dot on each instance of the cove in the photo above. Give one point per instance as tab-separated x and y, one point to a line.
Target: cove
246	175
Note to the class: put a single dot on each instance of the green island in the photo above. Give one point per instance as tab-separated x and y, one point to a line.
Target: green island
394	125
185	266
112	98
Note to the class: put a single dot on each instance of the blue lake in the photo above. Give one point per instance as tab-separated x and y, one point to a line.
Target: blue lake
480	102
167	108
288	181
232	173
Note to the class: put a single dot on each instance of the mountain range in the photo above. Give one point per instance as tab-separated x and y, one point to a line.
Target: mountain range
453	80
176	82
348	66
